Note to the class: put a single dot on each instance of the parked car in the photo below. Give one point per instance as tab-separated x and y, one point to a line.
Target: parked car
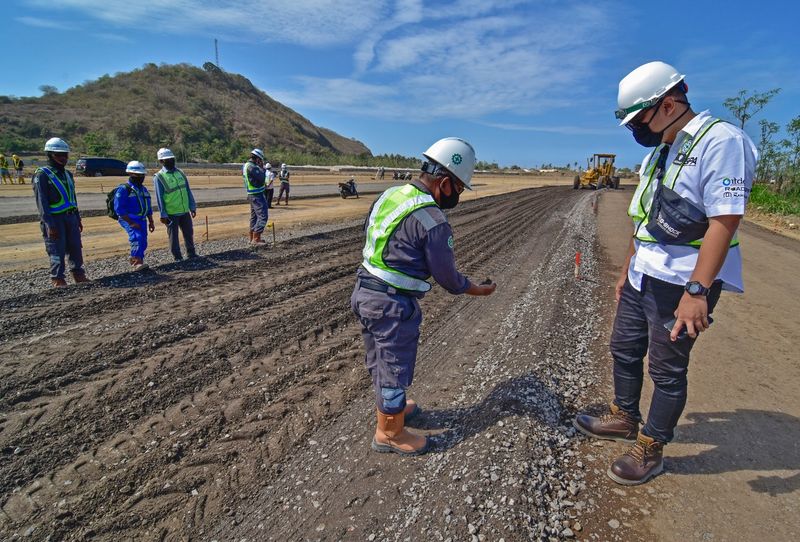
98	167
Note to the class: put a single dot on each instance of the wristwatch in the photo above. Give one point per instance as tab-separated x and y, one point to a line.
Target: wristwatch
695	288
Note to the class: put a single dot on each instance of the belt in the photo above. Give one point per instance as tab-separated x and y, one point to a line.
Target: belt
378	286
71	211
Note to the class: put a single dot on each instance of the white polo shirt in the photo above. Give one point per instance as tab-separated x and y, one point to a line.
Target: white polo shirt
717	177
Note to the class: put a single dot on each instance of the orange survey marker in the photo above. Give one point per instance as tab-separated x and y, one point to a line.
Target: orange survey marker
577	264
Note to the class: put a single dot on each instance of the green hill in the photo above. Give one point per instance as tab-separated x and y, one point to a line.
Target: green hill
201	114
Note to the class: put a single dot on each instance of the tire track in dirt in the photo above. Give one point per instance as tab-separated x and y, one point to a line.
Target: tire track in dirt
226	404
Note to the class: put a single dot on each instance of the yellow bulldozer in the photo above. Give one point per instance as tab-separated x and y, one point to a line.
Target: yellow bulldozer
600	173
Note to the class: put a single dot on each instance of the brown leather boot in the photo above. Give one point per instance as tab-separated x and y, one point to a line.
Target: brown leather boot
257	240
59	283
79	275
391	436
251	235
412	410
617	425
643	461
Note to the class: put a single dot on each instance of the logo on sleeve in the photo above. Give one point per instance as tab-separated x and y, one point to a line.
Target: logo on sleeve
734	187
450	242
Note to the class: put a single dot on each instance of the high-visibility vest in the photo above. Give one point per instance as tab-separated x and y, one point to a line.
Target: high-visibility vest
251	189
174	192
394	205
639	208
66	191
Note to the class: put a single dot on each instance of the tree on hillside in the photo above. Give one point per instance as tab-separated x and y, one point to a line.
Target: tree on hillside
48	90
744	107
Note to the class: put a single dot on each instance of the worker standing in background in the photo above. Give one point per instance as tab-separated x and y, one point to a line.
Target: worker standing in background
175	204
4	170
692	194
283	177
408	241
59	219
254	177
18	166
270	180
135	211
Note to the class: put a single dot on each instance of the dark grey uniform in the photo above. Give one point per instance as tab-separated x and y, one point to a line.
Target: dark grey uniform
421	247
67	224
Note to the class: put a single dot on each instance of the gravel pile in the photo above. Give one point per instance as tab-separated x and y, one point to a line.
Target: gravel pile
159	260
517	473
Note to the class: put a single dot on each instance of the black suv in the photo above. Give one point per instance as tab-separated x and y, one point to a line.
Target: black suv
98	167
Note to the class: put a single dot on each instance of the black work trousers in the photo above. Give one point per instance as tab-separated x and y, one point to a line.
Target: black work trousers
639	330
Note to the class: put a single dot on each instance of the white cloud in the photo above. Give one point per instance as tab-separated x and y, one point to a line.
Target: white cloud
568	130
305	22
39	23
411	59
454	64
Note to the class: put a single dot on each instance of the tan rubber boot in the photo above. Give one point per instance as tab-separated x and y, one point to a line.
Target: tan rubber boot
257	240
139	265
251	236
412	410
79	275
392	437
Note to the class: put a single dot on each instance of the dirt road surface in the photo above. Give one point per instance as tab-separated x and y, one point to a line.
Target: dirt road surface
230	401
733	471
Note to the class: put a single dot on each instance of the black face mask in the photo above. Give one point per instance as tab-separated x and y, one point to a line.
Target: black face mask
646	137
138	181
448	202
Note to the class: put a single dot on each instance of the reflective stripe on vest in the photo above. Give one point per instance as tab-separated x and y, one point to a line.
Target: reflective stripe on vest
66	193
639	208
174	192
249	187
394	205
144	204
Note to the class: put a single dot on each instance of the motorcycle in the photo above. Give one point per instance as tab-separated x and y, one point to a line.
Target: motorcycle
348	189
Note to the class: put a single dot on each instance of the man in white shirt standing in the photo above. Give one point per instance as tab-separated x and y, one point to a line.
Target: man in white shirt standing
692	193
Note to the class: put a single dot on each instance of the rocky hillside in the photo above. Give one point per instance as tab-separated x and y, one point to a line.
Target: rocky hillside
202	114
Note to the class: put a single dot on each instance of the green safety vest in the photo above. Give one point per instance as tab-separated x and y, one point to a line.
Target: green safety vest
394	205
174	192
639	208
251	189
66	192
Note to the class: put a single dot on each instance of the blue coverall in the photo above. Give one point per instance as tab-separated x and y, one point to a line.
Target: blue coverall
134	202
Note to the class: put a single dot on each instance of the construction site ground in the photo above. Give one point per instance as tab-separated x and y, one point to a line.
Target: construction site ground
226	399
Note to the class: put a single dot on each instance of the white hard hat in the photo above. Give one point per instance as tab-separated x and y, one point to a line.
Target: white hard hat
283	166
56	144
259	153
164	154
456	155
643	87
267	165
136	167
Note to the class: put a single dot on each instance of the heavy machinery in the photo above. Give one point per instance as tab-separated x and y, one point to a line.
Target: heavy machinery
600	173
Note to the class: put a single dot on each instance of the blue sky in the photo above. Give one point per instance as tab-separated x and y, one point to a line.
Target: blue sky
526	82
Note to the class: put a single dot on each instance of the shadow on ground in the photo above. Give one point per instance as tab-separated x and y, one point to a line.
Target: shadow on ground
743	439
522	396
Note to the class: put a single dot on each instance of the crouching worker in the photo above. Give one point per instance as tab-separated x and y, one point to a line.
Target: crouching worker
408	241
135	211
